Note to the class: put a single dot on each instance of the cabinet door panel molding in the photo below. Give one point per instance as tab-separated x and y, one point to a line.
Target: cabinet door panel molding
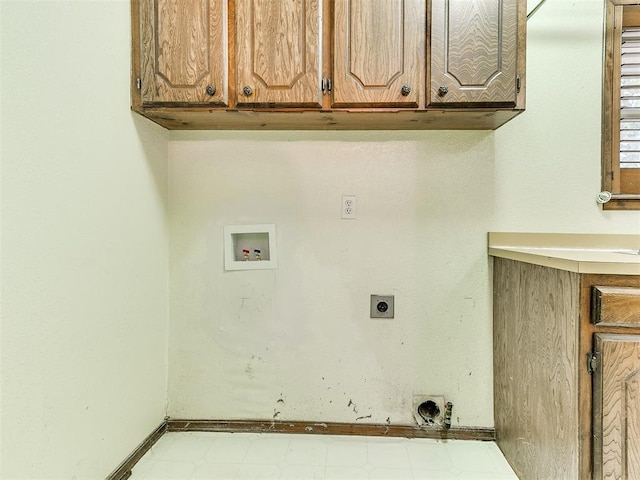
473	52
183	52
278	52
328	64
379	47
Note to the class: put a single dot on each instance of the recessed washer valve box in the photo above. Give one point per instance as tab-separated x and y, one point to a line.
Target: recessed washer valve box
381	306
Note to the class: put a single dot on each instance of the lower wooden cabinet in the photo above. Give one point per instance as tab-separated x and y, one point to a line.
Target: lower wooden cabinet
566	372
616	406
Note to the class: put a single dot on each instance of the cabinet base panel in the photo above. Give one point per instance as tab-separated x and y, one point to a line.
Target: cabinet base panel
214	119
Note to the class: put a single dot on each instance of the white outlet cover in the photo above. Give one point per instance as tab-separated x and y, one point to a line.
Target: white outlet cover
348	207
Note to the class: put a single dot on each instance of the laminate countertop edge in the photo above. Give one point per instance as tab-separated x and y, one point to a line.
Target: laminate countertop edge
581	253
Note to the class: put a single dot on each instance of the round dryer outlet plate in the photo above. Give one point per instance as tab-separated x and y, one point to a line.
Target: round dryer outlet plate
381	306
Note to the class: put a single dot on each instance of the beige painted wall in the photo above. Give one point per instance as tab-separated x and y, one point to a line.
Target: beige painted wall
84	245
242	341
548	159
296	343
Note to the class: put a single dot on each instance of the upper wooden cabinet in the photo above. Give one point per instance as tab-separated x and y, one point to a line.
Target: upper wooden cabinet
278	52
473	52
328	64
183	54
378	52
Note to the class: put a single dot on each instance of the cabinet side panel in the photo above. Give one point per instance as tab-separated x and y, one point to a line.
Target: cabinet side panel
536	312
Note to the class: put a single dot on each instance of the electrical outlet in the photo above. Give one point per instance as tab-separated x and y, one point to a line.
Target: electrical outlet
381	306
349	207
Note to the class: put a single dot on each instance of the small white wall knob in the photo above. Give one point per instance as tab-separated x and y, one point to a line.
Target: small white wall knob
603	197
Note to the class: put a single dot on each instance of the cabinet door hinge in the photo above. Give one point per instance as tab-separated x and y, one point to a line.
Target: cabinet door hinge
518	84
139	83
592	362
326	85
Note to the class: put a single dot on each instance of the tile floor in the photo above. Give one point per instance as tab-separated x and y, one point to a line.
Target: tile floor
226	456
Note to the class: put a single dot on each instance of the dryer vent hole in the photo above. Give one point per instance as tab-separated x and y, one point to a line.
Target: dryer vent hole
429	411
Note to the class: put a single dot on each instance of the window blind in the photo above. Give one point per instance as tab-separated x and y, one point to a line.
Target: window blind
630	98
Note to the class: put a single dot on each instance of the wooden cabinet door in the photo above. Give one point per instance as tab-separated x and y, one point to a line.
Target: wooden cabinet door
473	52
616	407
378	52
278	49
183	52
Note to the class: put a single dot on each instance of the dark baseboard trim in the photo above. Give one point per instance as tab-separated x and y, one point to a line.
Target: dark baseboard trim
320	428
124	470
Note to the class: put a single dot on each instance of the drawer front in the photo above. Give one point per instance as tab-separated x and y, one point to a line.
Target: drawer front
616	306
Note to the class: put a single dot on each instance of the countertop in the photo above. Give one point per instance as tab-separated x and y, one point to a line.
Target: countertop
575	252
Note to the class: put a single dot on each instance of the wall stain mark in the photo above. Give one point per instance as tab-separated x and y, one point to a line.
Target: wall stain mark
388	424
249	368
273	419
